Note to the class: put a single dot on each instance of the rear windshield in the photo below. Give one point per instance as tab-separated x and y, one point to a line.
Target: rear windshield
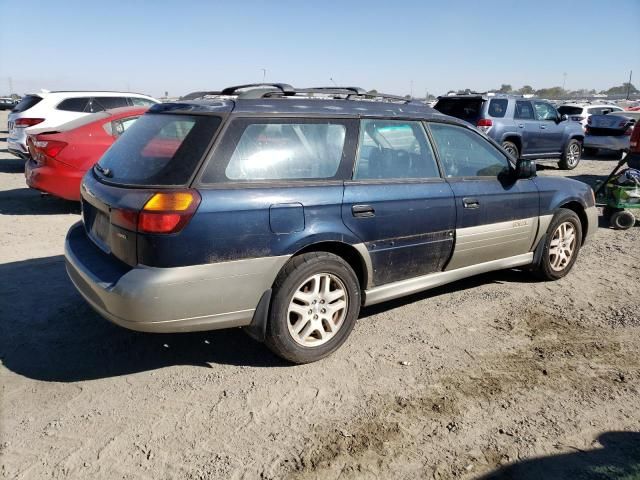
158	149
26	103
566	110
464	108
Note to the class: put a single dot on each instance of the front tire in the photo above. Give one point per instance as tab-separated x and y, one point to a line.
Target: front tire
314	308
571	155
561	247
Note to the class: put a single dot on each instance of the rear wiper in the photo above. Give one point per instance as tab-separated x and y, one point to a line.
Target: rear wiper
104	171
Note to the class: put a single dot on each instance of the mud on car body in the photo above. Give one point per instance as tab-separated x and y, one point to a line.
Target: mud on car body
285	210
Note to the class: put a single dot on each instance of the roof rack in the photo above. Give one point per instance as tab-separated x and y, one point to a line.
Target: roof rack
271	90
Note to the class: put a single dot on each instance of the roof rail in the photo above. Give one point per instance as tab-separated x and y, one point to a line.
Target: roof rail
267	90
283	87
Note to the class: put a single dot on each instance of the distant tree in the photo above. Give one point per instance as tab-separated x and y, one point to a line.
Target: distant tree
505	88
408	97
373	92
553	92
526	90
622	89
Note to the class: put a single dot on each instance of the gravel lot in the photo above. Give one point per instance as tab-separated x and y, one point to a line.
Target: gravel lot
496	375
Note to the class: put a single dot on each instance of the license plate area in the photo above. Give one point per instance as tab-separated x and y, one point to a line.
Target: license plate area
100	230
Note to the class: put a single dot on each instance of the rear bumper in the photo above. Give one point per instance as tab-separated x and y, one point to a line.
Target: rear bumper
607	142
199	297
59	180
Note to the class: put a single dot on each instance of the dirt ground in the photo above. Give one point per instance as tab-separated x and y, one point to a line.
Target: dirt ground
498	375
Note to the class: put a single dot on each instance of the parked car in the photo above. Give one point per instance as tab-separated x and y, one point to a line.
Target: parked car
633	157
58	160
6	103
45	111
284	214
525	127
580	112
610	132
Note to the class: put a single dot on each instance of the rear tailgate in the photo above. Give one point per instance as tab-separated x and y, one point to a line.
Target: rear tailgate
608	125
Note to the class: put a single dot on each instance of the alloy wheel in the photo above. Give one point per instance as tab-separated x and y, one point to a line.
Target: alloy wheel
317	310
562	246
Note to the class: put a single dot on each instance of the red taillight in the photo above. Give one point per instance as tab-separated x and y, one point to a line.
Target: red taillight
51	148
587	130
168	212
28	122
484	122
127	219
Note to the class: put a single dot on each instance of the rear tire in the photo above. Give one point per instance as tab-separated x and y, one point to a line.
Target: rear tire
315	304
622	220
590	151
512	149
571	155
561	247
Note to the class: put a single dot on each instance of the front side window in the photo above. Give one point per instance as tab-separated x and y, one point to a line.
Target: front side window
544	111
278	149
524	110
464	153
394	149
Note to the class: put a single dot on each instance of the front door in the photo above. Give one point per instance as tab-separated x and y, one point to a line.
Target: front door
497	216
397	203
551	129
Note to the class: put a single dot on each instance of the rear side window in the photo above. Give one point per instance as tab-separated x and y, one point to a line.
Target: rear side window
159	149
524	110
394	149
464	108
26	103
464	153
278	149
498	107
74	105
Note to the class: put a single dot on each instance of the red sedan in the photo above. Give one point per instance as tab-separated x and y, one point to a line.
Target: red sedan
60	159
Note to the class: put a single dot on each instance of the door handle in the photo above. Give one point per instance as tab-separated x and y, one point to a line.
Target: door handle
363	211
543	127
470	203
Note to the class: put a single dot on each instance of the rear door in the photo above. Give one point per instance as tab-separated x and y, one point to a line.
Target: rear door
551	129
497	216
397	204
527	125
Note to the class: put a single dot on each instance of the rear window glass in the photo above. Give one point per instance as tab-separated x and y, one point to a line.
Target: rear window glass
567	110
464	108
74	104
141	102
159	149
26	103
498	107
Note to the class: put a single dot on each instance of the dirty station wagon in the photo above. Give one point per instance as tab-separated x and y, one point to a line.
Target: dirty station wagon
284	211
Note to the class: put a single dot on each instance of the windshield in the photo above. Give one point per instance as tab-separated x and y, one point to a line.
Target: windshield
463	108
158	149
567	110
26	103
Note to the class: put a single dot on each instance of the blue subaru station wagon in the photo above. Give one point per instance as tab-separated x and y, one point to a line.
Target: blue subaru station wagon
284	211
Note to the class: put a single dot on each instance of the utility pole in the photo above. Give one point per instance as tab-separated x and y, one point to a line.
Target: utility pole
264	74
564	79
629	84
411	89
333	81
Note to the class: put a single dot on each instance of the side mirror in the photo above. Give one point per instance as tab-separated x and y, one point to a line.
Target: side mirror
525	169
564	117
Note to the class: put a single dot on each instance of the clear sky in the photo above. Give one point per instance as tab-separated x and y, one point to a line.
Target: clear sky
393	46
